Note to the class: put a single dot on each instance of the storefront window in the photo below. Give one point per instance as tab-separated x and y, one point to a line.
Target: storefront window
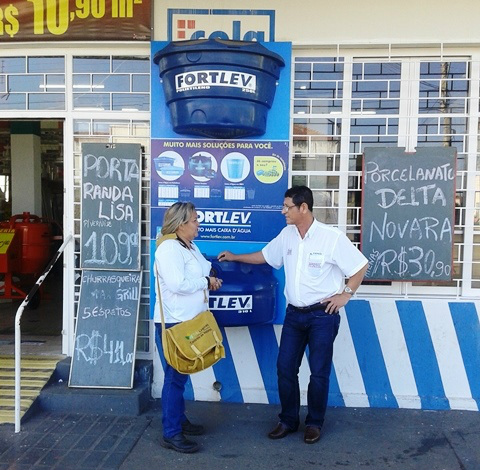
343	105
46	101
32	83
111	83
46	64
91	64
13	65
13	101
376	88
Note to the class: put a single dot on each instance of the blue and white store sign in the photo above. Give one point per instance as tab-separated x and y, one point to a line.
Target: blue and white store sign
239	25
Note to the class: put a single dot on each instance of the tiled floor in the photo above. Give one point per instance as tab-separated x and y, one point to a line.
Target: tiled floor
40	328
71	442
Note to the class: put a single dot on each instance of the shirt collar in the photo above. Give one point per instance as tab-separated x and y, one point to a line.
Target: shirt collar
310	231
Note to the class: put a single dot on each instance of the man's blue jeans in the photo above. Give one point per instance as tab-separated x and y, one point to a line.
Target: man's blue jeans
317	330
173	402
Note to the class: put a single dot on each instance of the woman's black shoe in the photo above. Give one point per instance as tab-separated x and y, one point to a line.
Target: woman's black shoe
180	443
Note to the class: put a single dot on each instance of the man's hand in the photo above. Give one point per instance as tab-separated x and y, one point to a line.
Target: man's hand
336	302
225	256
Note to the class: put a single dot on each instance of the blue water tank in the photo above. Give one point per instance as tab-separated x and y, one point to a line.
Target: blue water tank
219	88
247	296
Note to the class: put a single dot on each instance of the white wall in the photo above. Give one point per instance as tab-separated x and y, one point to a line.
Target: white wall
313	22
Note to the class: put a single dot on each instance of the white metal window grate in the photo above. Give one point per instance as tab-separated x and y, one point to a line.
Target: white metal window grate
32	83
342	105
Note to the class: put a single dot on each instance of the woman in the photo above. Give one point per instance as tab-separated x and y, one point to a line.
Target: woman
184	280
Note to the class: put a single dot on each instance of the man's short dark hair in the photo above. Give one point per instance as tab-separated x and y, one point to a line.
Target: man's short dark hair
300	195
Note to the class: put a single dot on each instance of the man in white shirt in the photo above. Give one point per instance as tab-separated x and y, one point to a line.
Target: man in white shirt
316	259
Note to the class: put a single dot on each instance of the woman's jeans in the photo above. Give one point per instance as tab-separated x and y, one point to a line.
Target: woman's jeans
173	402
317	330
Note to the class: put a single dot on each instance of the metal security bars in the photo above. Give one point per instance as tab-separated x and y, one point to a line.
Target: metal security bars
343	104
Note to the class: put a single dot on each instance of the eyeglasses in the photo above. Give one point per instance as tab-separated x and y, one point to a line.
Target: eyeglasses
287	208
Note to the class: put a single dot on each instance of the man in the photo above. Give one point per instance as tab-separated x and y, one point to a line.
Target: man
316	258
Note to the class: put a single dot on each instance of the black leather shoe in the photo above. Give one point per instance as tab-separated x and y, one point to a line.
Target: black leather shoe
280	431
180	443
312	434
190	429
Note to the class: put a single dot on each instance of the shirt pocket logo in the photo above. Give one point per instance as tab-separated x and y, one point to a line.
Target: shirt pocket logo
315	263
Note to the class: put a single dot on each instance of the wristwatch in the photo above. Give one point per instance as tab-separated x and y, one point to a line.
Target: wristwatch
348	290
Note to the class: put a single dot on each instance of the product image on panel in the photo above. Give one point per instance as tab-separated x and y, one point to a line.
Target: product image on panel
218	88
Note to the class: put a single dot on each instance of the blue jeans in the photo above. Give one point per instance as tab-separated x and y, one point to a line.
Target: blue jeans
173	402
318	330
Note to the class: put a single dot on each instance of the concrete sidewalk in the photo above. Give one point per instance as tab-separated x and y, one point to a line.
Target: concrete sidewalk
353	438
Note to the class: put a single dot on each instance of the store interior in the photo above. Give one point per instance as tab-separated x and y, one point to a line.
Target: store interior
36	239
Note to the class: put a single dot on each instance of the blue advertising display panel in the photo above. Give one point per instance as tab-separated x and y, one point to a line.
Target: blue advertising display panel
232	164
231	184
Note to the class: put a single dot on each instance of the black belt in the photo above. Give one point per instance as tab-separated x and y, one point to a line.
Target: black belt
310	308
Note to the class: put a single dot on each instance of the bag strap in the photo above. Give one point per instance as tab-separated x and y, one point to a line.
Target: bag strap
171	236
160	303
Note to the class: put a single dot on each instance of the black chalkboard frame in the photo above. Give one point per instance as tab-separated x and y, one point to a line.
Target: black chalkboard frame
110	234
391	156
80	376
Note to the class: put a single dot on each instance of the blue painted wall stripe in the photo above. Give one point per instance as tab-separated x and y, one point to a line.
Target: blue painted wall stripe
225	369
422	355
266	350
467	327
369	355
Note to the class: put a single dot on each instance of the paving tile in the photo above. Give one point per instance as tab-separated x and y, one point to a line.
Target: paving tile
99	427
25	466
12	454
72	459
113	461
47	441
52	457
127	442
86	442
94	458
67	442
30	456
106	443
70	442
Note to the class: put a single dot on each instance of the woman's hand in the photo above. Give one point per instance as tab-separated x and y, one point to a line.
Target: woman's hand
215	283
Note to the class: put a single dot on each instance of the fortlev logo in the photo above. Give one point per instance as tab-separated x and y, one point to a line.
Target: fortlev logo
204	79
240	25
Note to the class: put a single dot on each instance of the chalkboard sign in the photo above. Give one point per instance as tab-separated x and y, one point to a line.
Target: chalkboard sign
408	213
110	231
106	331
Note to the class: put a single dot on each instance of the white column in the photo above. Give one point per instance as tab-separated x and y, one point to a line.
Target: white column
26	173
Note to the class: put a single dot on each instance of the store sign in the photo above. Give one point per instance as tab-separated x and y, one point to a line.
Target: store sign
239	25
408	213
67	20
